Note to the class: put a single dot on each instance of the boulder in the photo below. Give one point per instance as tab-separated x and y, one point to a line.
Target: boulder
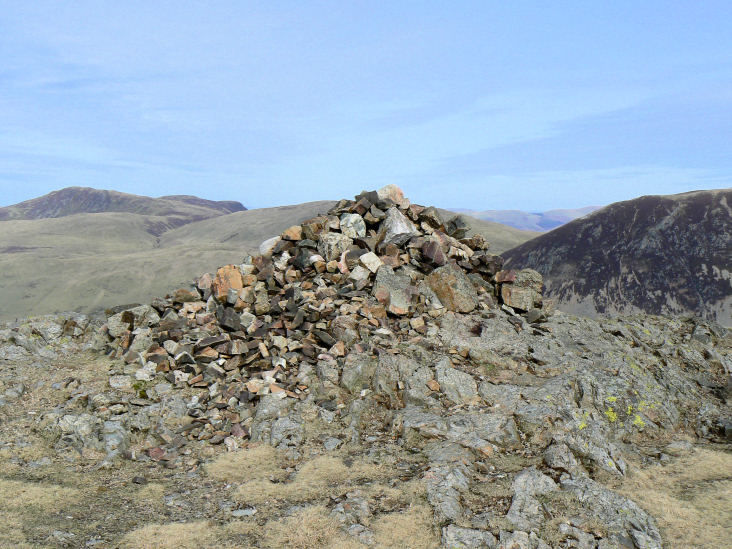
393	290
332	245
227	278
353	225
523	293
453	288
396	228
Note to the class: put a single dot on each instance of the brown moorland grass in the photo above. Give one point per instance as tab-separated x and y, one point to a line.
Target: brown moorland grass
691	498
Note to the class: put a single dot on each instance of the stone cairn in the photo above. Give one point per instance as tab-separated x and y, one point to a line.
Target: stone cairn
374	266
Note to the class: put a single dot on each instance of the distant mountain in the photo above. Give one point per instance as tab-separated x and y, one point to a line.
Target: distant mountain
532	221
77	200
659	254
56	256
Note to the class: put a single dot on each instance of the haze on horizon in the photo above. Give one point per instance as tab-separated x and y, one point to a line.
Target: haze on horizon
477	105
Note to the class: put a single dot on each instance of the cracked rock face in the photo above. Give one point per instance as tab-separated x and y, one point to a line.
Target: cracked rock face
513	424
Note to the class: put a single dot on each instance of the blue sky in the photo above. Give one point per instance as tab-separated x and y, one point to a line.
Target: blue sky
481	105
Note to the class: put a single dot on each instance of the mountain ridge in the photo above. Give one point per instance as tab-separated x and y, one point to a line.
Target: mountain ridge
662	254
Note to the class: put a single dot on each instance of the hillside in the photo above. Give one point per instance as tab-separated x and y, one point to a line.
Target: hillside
78	200
658	254
532	221
90	261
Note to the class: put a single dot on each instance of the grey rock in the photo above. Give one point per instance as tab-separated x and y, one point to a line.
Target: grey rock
456	537
396	228
332	245
393	289
358	371
453	288
353	225
458	386
623	518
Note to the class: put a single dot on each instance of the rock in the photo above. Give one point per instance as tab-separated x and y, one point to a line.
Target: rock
393	290
396	228
524	293
353	225
393	193
458	386
333	245
358	371
227	278
294	233
267	247
453	288
371	261
456	537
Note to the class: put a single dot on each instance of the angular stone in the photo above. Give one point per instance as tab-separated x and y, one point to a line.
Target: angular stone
432	250
393	290
524	293
458	386
353	225
396	228
293	233
332	245
393	193
267	247
371	261
453	288
227	278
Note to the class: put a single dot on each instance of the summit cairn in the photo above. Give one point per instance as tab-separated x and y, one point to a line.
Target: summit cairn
375	265
386	344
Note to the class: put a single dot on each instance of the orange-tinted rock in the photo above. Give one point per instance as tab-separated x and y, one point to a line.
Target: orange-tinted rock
227	278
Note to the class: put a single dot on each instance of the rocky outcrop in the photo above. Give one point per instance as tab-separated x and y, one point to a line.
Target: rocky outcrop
511	418
657	254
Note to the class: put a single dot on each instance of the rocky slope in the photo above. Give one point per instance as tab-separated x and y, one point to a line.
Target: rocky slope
374	378
658	254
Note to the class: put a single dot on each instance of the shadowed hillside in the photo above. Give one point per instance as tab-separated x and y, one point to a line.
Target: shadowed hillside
659	254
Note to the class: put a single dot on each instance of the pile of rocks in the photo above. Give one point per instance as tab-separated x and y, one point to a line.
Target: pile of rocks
374	267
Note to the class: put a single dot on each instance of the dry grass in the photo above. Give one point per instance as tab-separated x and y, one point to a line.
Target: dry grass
23	496
318	478
152	494
691	498
411	529
188	535
256	462
11	531
310	528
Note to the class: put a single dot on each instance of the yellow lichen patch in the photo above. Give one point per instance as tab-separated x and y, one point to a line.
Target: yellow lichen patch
612	416
691	498
187	535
